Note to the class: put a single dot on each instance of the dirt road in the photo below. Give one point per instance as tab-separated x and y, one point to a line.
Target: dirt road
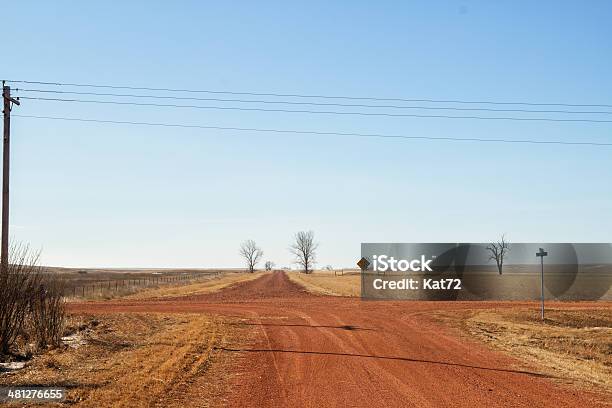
316	351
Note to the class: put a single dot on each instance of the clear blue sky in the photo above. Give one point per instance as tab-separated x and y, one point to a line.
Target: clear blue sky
128	196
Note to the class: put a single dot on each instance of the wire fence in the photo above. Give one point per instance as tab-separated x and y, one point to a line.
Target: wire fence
128	285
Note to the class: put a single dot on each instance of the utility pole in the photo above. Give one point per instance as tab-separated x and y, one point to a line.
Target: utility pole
541	253
6	155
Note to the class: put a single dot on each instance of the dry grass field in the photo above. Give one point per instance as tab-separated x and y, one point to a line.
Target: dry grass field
573	345
212	284
99	284
133	360
482	286
515	284
328	283
104	284
160	358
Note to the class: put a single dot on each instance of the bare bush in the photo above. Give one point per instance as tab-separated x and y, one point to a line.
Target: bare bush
269	265
47	311
304	248
31	302
17	287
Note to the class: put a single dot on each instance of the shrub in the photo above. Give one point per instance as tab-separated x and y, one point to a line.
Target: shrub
31	302
17	284
47	312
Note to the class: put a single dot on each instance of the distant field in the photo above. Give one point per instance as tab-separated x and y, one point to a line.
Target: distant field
107	283
480	285
339	283
511	285
212	284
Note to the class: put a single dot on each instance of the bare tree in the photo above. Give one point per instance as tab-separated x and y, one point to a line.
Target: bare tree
251	254
304	248
269	265
498	251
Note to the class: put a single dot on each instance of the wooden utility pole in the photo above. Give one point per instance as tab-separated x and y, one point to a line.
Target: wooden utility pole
6	155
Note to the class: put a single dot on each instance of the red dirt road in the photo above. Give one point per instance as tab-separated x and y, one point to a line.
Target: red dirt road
316	351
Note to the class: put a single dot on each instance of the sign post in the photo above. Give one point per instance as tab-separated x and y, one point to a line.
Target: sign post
363	264
541	253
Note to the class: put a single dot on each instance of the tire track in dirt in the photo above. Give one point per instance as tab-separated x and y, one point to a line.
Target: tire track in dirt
393	380
347	344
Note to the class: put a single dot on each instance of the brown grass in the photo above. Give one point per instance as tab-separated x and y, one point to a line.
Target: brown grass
211	285
326	283
199	284
101	283
573	345
140	359
130	360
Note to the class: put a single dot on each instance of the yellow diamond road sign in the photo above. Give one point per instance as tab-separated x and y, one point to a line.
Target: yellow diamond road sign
363	264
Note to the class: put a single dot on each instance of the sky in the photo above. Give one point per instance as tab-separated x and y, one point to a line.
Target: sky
118	195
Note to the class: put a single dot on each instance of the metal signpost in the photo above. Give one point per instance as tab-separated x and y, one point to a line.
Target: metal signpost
541	253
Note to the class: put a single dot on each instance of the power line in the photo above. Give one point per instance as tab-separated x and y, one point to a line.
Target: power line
350	105
316	112
318	133
458	101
